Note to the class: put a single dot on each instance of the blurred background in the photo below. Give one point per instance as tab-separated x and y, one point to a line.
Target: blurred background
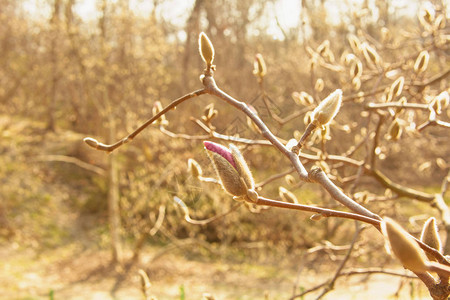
76	223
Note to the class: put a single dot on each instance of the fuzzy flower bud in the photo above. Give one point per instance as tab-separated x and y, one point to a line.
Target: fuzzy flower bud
319	85
195	168
395	130
260	68
327	109
421	63
287	195
404	247
397	87
430	236
206	49
231	168
91	142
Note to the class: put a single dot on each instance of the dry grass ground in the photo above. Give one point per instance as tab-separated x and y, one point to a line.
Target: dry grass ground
73	273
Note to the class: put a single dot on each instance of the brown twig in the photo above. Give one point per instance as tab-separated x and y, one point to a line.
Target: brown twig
109	148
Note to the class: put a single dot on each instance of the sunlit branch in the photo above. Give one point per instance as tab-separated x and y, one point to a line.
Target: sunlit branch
229	138
109	148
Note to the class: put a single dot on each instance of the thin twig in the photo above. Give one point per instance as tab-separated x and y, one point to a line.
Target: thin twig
109	148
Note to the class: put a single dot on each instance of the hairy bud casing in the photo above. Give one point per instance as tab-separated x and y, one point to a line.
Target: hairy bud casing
404	247
195	168
327	109
206	49
232	170
421	63
260	68
430	236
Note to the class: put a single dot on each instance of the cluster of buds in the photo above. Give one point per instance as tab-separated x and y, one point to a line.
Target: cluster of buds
233	171
302	98
405	248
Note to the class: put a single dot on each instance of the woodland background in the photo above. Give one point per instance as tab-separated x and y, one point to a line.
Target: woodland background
65	76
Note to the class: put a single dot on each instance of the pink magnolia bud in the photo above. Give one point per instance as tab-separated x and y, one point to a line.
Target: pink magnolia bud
231	168
221	150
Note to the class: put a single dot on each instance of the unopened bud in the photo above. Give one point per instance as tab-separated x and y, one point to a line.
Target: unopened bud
316	217
430	236
290	180
206	49
195	168
319	85
327	109
356	83
404	247
91	142
252	195
242	167
397	87
355	43
286	195
157	108
324	47
426	15
231	168
371	54
440	21
260	68
356	68
421	63
395	130
307	118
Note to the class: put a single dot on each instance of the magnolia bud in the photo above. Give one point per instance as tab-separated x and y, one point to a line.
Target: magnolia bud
316	217
327	109
231	168
286	195
242	167
157	108
430	236
260	68
356	68
206	49
397	87
319	85
324	47
371	54
290	179
195	168
395	130
91	142
356	83
421	63
404	247
440	21
355	43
